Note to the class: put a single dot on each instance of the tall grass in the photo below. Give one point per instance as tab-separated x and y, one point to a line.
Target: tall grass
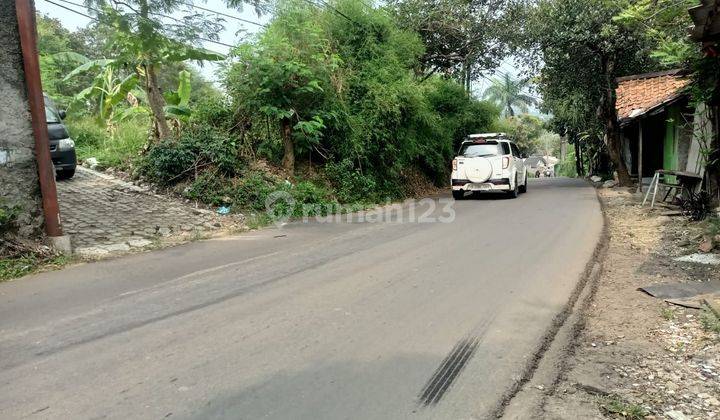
112	149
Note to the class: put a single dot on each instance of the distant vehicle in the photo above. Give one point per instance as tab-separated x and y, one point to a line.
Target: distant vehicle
536	165
488	163
62	147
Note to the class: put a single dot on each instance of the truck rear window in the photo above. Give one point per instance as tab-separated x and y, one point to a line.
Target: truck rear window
491	148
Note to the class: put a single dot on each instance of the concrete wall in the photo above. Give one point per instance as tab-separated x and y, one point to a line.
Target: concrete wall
18	172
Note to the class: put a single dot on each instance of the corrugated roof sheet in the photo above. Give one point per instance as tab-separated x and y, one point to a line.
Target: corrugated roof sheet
637	95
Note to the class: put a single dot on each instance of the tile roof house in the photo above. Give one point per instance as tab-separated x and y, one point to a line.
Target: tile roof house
656	120
642	94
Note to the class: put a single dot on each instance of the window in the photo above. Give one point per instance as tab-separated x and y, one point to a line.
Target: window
480	149
515	150
51	116
506	148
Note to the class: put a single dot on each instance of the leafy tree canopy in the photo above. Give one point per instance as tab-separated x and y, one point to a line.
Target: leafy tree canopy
461	37
579	49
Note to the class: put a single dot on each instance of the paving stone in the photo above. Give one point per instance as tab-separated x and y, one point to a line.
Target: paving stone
117	247
100	211
92	252
139	243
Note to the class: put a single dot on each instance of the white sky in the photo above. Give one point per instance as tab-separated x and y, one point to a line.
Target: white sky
73	21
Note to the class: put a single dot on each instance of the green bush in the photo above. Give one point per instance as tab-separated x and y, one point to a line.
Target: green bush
567	167
251	191
348	93
8	214
198	149
208	188
312	199
351	186
246	192
370	107
214	112
118	148
168	161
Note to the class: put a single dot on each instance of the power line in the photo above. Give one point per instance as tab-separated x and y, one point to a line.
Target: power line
222	14
200	38
338	12
69	9
333	9
98	11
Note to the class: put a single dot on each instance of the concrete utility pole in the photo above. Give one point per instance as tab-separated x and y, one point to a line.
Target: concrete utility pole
21	170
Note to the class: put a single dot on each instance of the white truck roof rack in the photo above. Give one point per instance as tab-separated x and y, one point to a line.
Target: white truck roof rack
487	136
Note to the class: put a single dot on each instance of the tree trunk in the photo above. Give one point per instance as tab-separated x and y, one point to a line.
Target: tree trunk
156	102
578	156
608	115
288	161
468	77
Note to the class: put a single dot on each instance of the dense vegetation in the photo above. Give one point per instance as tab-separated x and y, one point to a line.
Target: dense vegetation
577	49
329	104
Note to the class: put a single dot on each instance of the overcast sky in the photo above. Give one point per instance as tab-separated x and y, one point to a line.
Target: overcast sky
73	21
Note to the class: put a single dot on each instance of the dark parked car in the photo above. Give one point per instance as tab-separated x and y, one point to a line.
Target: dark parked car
62	147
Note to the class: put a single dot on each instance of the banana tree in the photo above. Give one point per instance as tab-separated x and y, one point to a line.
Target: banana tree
144	43
178	100
109	89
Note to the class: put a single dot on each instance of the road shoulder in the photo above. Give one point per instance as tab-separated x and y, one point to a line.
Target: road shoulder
623	353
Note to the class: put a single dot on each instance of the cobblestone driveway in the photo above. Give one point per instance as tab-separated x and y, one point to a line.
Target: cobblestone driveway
105	215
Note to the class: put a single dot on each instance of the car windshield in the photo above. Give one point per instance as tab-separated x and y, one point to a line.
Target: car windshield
480	149
51	116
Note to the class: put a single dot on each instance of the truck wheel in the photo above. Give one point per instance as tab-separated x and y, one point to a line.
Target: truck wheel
523	187
65	173
459	195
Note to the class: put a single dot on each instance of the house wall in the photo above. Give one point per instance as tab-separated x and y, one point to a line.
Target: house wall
670	145
679	139
701	135
628	148
19	187
685	136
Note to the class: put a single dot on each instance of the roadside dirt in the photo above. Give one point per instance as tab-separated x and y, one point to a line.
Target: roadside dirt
637	356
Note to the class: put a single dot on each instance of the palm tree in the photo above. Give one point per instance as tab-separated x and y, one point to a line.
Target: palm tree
507	93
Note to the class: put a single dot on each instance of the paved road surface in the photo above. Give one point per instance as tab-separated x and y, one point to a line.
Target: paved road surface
314	321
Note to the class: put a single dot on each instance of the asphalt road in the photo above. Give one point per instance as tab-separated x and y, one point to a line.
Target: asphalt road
312	321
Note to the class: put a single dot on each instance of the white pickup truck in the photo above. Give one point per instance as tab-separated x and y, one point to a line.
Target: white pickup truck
488	163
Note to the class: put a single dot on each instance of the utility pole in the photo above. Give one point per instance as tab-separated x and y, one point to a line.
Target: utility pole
25	11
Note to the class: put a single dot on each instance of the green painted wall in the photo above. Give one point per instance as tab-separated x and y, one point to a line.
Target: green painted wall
670	146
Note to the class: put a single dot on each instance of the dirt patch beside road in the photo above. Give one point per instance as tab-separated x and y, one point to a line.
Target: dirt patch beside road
637	355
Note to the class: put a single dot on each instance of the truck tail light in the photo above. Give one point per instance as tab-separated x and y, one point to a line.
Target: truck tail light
506	162
454	164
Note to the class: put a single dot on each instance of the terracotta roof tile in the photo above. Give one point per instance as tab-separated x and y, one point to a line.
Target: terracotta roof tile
639	94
